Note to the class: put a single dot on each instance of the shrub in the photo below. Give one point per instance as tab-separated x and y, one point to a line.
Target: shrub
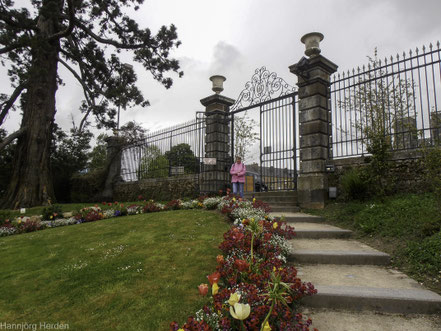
85	187
355	184
52	212
5	215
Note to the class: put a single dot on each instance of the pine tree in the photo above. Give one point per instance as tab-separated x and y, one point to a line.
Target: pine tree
86	37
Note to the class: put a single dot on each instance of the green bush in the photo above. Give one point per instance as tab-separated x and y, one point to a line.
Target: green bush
52	212
86	187
355	184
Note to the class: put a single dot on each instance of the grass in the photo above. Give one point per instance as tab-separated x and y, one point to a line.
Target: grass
128	273
407	226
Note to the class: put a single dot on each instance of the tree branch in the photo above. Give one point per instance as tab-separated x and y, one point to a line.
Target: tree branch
68	67
11	137
11	48
10	102
107	41
86	90
7	17
71	25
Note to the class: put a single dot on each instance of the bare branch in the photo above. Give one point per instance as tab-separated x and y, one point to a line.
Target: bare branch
70	27
11	137
6	106
87	91
72	70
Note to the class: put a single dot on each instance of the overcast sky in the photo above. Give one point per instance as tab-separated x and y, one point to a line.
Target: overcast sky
234	37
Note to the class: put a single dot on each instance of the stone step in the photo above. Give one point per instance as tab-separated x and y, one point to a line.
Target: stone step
367	287
319	231
298	217
260	195
330	320
335	251
389	300
292	209
278	200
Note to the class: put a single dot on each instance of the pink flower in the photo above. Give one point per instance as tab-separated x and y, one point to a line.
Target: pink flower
203	289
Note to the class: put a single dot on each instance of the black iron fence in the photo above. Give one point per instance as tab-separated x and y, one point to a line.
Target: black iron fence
398	96
165	153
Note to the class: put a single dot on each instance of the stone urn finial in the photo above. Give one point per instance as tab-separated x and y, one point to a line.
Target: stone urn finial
218	83
312	43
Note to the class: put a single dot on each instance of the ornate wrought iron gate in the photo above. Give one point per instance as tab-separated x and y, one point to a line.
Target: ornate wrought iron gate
269	102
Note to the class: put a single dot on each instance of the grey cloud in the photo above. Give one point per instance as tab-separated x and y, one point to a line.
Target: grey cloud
226	58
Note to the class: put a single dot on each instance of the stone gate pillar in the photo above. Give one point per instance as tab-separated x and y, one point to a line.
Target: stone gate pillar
217	141
315	121
113	167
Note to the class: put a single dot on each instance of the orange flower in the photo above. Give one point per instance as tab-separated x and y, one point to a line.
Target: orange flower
220	259
241	265
214	278
203	289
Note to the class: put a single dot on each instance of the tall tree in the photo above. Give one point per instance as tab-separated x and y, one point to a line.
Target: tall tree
86	37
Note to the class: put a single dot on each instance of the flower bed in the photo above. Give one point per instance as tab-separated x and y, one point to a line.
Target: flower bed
252	287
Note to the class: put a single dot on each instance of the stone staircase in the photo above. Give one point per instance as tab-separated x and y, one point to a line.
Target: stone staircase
357	289
280	201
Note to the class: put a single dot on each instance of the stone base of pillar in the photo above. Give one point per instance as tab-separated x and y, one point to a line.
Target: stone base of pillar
312	191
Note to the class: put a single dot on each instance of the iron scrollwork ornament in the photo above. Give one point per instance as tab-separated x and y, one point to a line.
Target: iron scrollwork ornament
262	87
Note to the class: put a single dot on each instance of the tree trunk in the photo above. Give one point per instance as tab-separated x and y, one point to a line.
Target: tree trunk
31	184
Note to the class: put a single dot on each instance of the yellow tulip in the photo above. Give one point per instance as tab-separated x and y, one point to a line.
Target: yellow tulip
234	298
181	329
275	225
267	327
214	289
240	311
234	199
254	199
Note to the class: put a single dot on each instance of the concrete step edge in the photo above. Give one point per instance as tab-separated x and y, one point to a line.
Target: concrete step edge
376	299
302	219
321	234
339	257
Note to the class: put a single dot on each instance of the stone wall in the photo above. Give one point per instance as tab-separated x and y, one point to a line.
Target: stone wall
161	189
407	171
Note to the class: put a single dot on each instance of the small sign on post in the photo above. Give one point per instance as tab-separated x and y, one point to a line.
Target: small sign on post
179	170
210	160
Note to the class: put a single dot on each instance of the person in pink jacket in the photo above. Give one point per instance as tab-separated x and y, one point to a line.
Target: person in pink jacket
237	172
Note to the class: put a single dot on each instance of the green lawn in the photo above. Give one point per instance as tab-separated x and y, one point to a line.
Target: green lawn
128	273
407	226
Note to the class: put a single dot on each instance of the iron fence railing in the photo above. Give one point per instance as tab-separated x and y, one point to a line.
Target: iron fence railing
168	152
399	96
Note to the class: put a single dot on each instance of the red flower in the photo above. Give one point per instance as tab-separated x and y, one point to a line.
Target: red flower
241	265
203	289
139	197
267	236
116	202
214	277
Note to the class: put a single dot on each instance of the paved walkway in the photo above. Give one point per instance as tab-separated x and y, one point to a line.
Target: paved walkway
357	289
